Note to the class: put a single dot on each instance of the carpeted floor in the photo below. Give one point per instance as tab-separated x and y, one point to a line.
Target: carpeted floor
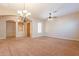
41	46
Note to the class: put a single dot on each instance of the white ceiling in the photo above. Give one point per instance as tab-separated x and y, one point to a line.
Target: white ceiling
39	10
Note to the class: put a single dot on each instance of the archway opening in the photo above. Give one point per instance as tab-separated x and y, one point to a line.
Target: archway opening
10	29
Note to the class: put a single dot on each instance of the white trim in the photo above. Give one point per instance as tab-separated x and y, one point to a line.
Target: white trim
61	37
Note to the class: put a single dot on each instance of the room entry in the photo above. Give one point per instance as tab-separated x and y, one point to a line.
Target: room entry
28	28
10	29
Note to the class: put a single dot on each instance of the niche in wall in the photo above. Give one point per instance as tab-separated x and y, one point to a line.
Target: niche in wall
20	26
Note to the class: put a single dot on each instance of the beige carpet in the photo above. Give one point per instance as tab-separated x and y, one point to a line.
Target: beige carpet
41	46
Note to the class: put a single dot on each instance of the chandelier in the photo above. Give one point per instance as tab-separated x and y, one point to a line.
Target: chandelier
23	14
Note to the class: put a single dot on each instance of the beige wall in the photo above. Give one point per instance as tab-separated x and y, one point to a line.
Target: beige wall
65	27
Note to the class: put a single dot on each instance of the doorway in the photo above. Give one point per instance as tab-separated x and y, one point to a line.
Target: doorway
10	29
28	28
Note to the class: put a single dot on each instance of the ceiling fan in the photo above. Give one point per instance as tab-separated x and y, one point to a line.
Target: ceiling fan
54	12
50	17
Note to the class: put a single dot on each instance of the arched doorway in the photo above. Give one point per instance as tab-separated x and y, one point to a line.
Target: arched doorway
10	29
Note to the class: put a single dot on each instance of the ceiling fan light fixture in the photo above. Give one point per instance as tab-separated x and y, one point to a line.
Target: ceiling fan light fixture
49	17
54	17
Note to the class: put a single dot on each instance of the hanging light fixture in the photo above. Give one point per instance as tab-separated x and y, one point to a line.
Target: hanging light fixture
23	14
50	16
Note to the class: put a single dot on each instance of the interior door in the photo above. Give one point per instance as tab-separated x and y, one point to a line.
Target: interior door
28	29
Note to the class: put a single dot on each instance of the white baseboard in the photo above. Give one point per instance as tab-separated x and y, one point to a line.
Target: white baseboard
61	37
36	35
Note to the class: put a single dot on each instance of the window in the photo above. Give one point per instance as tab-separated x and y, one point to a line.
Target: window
39	27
